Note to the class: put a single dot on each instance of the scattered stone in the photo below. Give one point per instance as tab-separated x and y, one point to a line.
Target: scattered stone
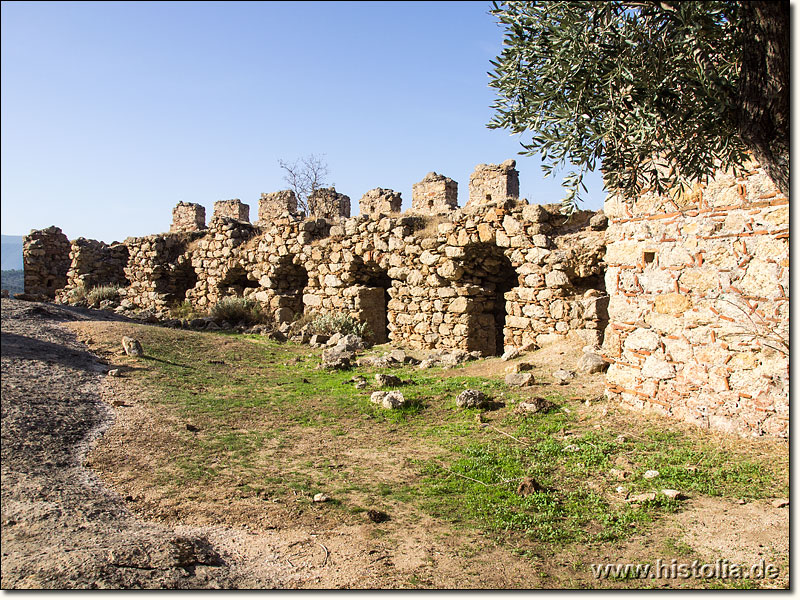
780	502
519	379
113	372
364	361
360	382
472	399
337	358
426	364
520	367
510	354
651	474
621	439
572	448
197	323
397	355
190	427
741	501
621	489
591	363
320	498
385	380
672	494
118	403
377	516
480	417
528	486
212	326
563	377
132	346
389	400
534	405
351	342
619	473
646	497
277	336
333	340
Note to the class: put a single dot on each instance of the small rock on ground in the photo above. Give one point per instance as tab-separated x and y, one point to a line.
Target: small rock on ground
132	346
519	379
472	399
563	377
388	400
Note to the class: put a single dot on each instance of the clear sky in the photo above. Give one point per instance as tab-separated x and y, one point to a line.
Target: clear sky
112	112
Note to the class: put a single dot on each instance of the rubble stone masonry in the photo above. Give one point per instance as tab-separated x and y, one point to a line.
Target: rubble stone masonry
188	216
688	297
699	304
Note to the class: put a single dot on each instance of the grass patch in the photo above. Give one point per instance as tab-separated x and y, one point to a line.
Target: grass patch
266	421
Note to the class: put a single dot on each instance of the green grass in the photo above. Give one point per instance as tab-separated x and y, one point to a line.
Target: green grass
253	400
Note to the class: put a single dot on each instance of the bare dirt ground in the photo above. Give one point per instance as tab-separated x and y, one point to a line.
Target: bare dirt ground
77	511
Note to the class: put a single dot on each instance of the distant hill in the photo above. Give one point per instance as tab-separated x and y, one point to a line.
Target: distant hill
13	281
11	252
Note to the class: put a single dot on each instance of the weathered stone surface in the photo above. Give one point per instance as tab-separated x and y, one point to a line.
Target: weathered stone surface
337	358
519	379
385	380
472	399
388	400
589	362
132	346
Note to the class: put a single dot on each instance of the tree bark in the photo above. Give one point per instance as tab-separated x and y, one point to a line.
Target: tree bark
764	86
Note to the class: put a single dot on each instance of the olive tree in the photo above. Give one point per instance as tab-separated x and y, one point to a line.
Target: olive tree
658	94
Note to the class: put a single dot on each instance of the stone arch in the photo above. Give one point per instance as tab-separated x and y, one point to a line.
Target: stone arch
182	278
236	282
371	288
489	275
288	281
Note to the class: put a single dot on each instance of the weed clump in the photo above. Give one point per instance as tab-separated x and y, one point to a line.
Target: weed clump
238	311
101	293
330	323
183	310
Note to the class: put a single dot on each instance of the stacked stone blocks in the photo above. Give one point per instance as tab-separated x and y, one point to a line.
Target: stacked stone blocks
699	301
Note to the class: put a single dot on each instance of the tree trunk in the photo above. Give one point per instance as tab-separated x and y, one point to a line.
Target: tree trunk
764	86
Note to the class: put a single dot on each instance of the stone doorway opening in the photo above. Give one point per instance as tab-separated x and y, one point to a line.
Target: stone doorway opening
489	270
372	297
289	281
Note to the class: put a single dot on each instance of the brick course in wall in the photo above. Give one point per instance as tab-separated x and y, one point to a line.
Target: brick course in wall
699	304
45	256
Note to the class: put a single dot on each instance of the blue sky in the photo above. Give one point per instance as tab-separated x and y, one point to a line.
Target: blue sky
114	112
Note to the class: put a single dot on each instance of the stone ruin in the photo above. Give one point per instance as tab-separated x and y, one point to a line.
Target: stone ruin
662	289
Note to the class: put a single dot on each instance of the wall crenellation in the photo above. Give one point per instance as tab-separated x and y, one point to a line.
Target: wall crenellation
688	295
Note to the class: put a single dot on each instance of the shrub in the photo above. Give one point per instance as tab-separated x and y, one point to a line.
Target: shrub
237	311
330	323
77	295
99	293
183	310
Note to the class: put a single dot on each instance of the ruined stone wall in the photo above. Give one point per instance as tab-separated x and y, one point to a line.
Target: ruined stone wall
487	277
275	204
494	182
699	304
45	256
435	194
93	264
188	216
380	201
231	209
327	203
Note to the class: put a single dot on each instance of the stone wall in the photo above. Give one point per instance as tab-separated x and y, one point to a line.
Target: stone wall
494	182
94	263
45	255
435	194
232	209
327	203
275	204
188	216
699	304
379	201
